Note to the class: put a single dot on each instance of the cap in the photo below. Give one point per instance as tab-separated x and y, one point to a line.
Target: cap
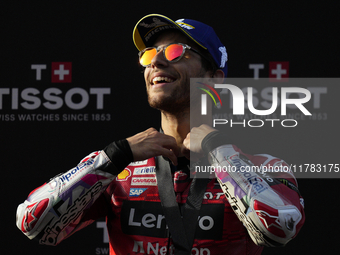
202	34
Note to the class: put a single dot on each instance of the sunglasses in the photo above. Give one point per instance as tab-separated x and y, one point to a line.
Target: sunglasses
172	53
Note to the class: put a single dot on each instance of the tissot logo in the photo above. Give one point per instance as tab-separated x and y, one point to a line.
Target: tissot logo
61	72
60	102
147	219
278	71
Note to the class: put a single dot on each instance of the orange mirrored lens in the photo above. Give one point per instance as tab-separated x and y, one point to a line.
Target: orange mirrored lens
173	51
147	56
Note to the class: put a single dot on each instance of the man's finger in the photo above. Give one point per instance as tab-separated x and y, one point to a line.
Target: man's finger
169	154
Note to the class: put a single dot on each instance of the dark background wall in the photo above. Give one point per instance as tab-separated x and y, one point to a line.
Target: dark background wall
96	38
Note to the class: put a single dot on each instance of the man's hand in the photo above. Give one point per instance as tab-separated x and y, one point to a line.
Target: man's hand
152	143
193	142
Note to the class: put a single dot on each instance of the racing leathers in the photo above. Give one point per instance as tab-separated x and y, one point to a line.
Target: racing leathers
251	201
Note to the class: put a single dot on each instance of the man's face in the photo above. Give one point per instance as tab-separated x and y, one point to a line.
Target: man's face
167	83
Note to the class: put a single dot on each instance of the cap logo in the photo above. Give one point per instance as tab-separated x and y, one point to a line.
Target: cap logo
224	57
156	22
184	25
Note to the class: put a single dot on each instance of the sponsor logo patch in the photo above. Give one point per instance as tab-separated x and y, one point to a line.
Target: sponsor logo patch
71	214
135	192
144	170
145	181
124	175
146	218
70	174
139	163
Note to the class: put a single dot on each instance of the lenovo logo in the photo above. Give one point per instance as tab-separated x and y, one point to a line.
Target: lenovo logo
147	219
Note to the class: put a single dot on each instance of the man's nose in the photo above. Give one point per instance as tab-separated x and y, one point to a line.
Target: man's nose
159	59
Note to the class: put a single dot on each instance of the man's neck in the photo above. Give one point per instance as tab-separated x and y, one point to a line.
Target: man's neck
177	126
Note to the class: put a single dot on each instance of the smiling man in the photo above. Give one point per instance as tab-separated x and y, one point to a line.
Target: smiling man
167	85
143	185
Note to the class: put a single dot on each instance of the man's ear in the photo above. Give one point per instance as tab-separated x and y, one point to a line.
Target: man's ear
218	76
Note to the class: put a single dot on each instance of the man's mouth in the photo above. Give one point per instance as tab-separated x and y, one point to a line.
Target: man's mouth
160	79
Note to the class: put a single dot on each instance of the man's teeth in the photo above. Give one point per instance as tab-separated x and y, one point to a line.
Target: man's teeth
160	79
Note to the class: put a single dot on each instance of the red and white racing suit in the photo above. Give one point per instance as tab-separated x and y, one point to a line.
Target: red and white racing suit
241	212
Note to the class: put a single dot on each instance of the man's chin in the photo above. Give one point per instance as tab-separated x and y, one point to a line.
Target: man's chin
157	104
170	106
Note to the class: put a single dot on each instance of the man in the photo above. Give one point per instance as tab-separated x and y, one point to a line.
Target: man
142	184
